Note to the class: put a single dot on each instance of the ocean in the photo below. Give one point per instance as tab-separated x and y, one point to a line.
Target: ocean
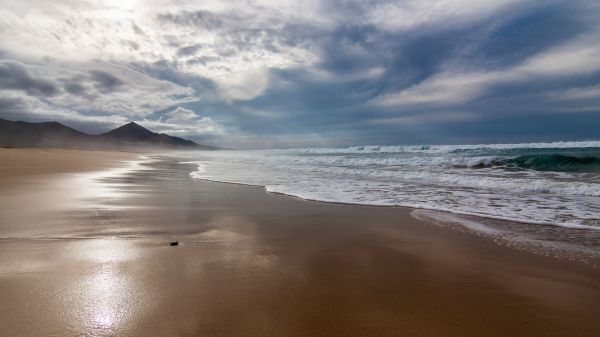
539	183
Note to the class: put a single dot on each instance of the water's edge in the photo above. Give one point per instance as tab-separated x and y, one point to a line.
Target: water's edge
546	239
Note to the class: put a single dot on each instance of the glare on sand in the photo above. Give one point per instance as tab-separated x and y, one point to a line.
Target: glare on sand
33	207
72	287
104	299
94	189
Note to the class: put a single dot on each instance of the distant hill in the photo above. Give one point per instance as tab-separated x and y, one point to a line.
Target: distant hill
54	134
49	134
133	134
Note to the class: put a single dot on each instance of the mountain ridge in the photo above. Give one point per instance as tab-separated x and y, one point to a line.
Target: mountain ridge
54	134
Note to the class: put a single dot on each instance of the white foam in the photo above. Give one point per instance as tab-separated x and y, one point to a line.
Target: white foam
452	148
450	218
440	181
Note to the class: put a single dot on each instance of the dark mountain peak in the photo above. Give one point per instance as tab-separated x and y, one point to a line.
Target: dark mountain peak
137	135
131	131
130	126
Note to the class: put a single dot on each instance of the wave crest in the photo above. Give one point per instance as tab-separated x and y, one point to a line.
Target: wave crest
542	162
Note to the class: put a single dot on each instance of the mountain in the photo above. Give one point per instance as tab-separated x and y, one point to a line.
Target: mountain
132	134
48	134
53	134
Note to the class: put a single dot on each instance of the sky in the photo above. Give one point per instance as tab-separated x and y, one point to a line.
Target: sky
277	74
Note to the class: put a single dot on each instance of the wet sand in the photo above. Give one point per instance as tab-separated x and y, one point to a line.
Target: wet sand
35	162
252	263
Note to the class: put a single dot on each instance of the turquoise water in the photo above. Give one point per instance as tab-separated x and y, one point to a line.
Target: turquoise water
543	159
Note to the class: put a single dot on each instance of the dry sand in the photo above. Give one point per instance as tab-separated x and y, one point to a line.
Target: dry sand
252	263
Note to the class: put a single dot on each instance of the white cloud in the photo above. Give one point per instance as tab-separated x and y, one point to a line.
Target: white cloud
179	115
244	85
261	113
184	122
426	118
102	87
441	89
454	87
583	93
574	58
248	37
412	14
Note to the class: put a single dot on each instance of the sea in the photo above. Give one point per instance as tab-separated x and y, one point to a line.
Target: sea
556	184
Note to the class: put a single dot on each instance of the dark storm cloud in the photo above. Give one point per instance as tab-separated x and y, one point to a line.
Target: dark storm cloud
74	88
528	32
168	71
410	57
10	104
105	82
15	76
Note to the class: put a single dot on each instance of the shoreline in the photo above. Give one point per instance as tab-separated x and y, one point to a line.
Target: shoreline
101	162
258	263
468	214
531	237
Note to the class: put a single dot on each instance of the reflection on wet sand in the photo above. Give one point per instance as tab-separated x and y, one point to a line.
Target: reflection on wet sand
103	190
102	301
35	206
252	263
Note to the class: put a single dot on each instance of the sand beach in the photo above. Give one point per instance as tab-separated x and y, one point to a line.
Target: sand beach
84	250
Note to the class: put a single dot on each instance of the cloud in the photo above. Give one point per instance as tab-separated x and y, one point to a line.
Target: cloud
189	50
200	18
15	76
184	122
244	85
454	87
580	93
104	81
18	105
180	115
328	71
98	87
414	14
573	58
426	118
73	87
236	34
